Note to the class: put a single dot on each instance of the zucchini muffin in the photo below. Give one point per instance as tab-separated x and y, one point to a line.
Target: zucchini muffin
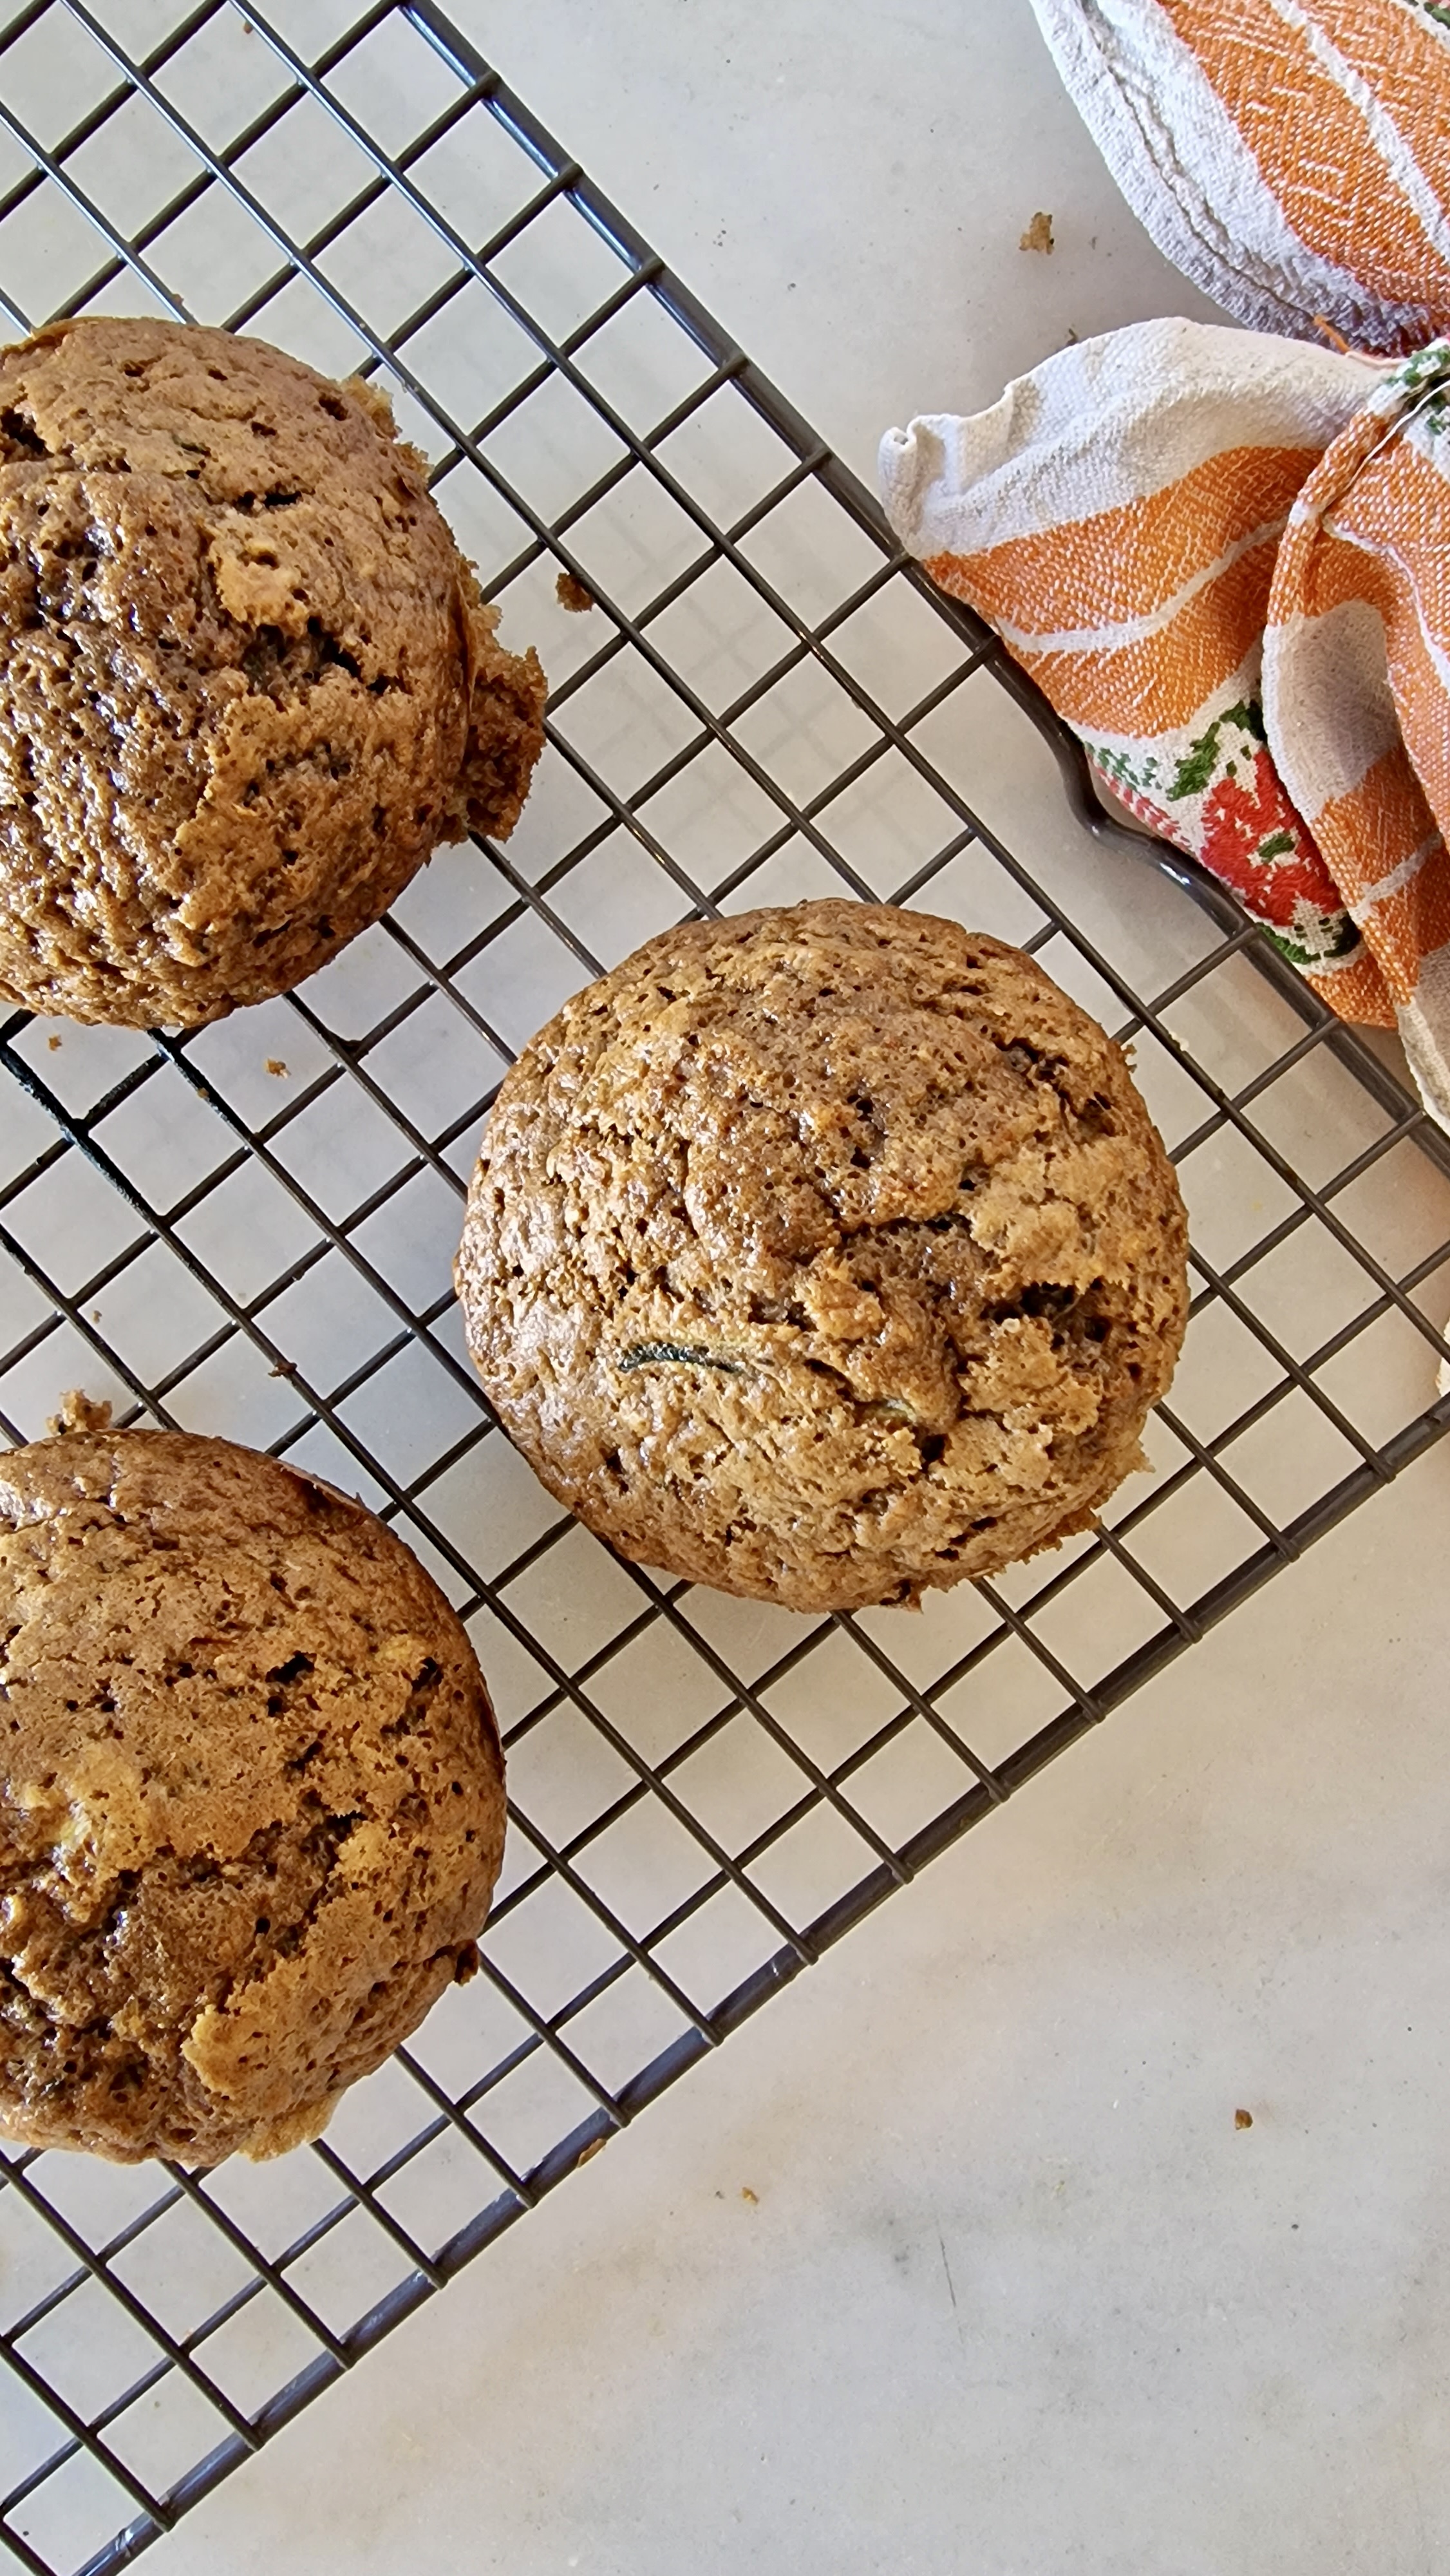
825	1255
247	682
252	1804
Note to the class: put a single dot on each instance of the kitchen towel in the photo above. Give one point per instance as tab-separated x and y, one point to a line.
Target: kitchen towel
1291	156
1225	557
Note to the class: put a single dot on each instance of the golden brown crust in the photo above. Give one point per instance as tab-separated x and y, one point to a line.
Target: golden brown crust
825	1255
247	682
252	1803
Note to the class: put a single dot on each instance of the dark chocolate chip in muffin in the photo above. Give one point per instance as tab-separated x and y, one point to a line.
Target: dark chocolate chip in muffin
252	1805
247	681
825	1255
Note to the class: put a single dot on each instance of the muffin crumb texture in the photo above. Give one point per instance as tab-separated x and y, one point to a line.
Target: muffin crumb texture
247	681
825	1255
80	1412
252	1804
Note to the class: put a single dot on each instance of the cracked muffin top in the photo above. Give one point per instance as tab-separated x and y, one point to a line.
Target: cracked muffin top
251	1810
247	682
825	1255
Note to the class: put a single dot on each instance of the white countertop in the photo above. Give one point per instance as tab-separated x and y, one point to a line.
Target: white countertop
1014	2297
955	2258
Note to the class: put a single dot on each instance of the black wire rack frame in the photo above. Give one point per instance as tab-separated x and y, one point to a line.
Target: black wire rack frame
249	1230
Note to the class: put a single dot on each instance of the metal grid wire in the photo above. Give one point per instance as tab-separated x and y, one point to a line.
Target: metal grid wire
249	1231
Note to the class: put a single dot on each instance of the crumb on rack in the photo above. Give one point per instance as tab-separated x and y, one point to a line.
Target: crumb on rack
1038	235
572	594
276	1067
79	1412
595	2147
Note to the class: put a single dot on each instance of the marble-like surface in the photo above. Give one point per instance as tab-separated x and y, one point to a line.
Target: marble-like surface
956	2259
1014	2295
846	185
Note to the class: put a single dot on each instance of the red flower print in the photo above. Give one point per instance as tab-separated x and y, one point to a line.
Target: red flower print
1255	841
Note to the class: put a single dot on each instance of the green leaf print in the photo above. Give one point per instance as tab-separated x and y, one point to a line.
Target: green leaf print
1196	767
1199	762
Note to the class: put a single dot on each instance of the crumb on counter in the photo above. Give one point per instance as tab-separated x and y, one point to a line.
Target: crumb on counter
572	594
1038	235
1243	2119
276	1067
54	1043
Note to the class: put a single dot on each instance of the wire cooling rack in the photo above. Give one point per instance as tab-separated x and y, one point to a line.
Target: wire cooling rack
249	1231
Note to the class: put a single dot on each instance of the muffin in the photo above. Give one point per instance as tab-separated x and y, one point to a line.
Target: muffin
252	1805
825	1255
247	682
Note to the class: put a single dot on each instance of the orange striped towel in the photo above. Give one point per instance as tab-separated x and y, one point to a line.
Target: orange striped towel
1357	698
1291	156
1226	559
